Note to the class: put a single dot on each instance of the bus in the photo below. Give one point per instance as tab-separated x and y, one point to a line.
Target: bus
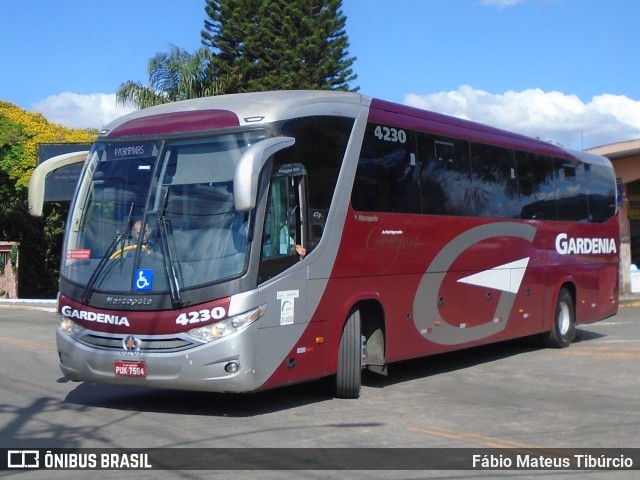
244	242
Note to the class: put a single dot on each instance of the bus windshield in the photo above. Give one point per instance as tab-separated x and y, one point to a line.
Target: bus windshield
158	217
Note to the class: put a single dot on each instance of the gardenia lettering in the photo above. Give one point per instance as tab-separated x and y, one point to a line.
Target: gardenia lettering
94	317
566	245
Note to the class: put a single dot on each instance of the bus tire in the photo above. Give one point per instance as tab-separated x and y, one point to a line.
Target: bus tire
564	322
349	373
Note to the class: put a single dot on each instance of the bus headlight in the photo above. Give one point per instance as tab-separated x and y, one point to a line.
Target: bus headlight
69	327
220	329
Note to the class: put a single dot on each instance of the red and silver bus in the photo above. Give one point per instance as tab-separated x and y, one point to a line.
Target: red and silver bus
244	242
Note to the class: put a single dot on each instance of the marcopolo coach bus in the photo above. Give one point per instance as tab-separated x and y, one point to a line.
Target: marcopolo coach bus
245	242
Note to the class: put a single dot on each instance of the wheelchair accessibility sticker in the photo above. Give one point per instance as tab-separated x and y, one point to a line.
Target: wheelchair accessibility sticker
143	280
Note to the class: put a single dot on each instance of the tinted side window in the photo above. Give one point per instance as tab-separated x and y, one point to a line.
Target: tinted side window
320	146
494	181
601	186
445	176
572	196
387	174
536	185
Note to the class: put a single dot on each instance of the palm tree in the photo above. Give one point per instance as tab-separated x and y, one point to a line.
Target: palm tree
177	75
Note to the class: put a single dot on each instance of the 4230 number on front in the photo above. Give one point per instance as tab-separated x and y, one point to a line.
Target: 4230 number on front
198	316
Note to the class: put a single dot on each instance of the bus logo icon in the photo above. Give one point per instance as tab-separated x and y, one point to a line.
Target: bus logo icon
130	344
23	459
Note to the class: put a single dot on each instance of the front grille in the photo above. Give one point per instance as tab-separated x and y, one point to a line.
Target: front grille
147	345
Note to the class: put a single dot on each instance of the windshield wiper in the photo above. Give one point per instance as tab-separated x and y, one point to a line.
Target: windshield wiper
119	238
172	276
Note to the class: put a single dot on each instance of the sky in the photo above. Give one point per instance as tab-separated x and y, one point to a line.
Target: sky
566	71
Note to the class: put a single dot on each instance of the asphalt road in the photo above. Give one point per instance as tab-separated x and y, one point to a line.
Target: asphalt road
511	395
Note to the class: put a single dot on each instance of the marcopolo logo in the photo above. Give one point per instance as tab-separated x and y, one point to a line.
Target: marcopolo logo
131	344
566	245
129	301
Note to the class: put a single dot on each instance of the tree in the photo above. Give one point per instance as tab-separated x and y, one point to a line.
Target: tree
177	75
40	238
278	44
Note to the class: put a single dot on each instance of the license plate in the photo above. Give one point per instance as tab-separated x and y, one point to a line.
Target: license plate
129	369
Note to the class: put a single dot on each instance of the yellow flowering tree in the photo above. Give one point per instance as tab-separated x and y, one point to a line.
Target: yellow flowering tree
40	239
20	134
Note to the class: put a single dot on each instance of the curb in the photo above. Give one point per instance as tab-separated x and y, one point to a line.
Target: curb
629	303
30	304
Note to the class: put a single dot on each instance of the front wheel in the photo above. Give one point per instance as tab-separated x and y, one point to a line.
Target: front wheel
349	373
564	323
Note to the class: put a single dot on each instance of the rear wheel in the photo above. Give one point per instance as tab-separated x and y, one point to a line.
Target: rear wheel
349	373
564	324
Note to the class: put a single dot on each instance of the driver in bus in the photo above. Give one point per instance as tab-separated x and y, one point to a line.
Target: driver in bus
135	233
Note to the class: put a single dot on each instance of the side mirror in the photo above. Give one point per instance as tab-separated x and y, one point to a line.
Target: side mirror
39	174
245	178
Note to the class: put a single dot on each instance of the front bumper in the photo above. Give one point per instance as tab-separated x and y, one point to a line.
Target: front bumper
172	361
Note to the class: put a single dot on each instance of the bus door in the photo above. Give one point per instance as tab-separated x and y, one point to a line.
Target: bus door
287	337
284	236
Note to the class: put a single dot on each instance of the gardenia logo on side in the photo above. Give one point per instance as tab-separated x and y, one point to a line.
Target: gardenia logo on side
566	245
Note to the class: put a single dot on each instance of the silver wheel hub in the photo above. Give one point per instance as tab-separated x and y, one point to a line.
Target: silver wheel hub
564	319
